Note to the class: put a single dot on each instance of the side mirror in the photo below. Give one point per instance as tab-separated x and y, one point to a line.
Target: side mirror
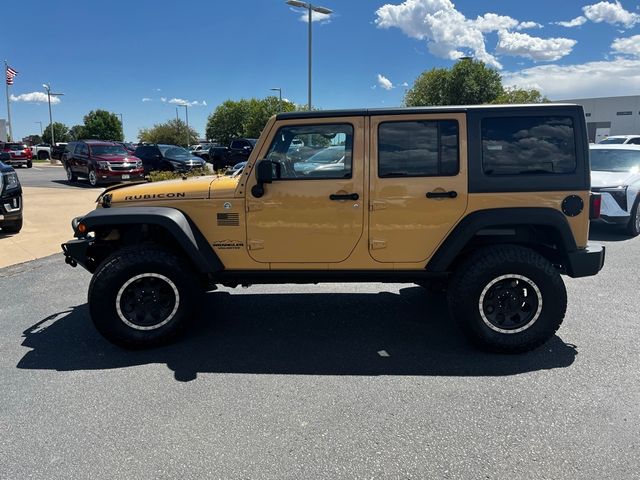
247	148
264	174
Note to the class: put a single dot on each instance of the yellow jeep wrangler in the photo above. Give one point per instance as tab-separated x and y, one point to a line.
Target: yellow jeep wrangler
491	202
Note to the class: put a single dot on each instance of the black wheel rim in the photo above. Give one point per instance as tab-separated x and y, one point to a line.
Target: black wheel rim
510	303
147	301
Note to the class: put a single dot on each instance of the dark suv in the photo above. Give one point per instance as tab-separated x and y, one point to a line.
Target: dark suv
101	162
10	198
168	158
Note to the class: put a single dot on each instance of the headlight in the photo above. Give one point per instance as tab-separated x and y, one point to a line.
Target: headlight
177	164
619	194
103	165
11	181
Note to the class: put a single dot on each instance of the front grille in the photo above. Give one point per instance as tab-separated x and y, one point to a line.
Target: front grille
121	167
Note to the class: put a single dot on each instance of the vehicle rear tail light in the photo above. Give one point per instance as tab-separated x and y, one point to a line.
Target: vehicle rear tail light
27	152
595	204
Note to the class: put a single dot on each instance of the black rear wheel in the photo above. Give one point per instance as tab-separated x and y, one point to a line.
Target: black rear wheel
507	298
142	297
633	227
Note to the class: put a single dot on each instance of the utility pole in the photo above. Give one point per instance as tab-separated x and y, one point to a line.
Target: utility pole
186	114
47	87
6	84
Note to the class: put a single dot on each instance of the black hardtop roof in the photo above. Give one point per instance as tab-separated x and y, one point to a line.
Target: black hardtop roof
360	112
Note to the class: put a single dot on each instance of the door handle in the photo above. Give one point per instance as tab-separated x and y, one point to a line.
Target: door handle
451	194
346	196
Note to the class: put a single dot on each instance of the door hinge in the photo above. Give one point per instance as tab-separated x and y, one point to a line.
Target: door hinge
254	207
377	205
377	244
256	244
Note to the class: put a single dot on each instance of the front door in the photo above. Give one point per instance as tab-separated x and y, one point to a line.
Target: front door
313	210
418	184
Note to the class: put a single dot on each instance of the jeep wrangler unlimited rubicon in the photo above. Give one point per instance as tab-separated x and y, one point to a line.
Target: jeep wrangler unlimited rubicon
492	201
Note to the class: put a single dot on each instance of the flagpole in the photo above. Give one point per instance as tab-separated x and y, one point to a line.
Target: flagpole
6	84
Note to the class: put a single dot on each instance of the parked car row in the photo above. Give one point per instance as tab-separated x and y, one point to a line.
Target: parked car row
221	157
111	162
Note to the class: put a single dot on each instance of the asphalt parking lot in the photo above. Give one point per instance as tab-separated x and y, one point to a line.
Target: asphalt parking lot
327	381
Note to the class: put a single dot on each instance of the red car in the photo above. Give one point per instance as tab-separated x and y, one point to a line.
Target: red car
101	162
19	154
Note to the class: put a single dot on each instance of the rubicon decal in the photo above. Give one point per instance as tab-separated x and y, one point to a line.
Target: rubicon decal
153	196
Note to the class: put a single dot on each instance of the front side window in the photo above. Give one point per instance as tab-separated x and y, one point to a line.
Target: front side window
528	145
313	151
418	149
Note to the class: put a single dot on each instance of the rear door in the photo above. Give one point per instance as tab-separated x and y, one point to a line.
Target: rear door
418	177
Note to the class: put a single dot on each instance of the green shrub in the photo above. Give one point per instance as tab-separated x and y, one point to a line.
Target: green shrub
158	176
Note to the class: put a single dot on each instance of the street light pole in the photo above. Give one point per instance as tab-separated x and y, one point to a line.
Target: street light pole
47	87
310	8
121	124
279	90
186	114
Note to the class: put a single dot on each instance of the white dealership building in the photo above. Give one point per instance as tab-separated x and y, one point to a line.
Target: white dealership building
610	115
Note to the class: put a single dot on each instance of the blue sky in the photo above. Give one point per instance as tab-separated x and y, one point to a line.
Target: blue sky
114	54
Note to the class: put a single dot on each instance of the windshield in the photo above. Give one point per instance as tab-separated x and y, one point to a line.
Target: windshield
108	150
176	153
14	147
611	140
614	160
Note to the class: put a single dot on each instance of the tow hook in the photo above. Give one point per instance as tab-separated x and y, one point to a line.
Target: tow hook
70	261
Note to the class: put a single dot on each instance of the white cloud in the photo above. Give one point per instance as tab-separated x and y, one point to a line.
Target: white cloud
181	101
446	30
163	99
405	84
533	48
576	22
491	22
593	79
158	89
627	46
146	99
612	13
34	97
528	25
384	82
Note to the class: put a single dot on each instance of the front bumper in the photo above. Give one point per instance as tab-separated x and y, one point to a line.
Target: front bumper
17	161
111	176
11	207
586	261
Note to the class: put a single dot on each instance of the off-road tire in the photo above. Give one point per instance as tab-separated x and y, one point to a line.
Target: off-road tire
107	292
12	227
42	155
30	164
479	271
633	227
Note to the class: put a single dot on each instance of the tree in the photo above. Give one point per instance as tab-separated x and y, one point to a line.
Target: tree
468	82
102	125
244	118
60	133
172	132
76	133
519	95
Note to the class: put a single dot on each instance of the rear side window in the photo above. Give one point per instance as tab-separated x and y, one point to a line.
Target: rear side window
418	149
528	145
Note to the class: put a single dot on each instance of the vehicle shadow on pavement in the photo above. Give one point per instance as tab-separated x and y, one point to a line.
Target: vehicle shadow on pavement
606	233
302	334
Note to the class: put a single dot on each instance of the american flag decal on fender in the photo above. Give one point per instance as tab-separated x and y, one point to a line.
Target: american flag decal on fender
228	219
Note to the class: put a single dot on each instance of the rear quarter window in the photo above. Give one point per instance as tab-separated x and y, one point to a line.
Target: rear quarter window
541	145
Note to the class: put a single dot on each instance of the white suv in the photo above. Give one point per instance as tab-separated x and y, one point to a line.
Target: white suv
621	140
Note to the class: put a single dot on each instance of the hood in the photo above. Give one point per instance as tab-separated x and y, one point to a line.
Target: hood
191	188
601	179
223	186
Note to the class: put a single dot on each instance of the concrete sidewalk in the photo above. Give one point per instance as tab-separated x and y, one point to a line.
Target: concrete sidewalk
47	222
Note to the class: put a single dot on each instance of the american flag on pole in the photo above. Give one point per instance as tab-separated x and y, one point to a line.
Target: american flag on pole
10	74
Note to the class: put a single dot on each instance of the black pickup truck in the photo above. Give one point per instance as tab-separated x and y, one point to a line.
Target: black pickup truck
238	151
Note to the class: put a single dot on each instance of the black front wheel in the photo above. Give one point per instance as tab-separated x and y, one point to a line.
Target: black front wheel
142	297
507	298
12	227
633	227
